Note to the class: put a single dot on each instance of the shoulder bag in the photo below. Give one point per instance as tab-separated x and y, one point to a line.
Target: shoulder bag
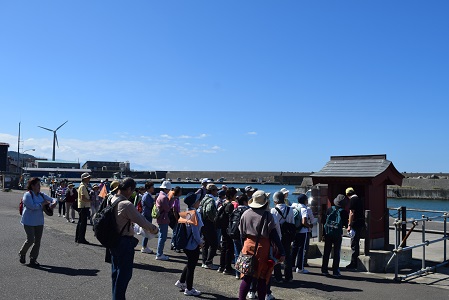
246	264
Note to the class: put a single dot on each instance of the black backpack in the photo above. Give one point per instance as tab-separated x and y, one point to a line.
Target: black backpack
222	218
288	230
180	238
234	223
104	226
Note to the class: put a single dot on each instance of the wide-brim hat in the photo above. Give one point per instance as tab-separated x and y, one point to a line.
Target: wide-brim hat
191	198
284	191
258	199
70	184
340	200
85	176
114	185
166	185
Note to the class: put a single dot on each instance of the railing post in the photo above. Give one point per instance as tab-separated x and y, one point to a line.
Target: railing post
404	224
445	235
396	261
423	264
367	235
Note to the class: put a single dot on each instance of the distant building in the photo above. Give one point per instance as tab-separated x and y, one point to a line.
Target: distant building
107	166
57	164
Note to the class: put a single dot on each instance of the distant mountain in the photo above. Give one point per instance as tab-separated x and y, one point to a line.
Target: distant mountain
13	155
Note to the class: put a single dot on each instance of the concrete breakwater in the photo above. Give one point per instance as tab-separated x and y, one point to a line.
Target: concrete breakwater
421	188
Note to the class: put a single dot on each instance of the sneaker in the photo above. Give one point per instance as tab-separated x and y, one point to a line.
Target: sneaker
59	215
211	267
203	265
162	257
192	292
237	276
336	273
252	295
228	272
34	263
269	297
325	273
146	250
303	271
180	285
22	259
220	270
68	221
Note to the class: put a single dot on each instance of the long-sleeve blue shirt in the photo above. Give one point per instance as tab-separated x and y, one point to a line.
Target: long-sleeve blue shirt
33	214
147	204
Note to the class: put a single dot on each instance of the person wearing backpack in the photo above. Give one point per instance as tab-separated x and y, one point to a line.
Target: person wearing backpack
336	219
301	241
208	211
192	249
34	203
227	250
284	214
122	255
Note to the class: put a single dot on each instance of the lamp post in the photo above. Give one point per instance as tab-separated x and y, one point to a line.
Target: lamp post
22	163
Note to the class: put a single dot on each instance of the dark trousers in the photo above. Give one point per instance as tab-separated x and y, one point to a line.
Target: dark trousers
299	248
34	236
122	266
61	206
227	251
210	242
355	245
189	270
288	274
80	235
328	243
246	283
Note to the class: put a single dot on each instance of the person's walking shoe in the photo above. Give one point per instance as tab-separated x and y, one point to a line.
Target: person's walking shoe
192	292
84	242
228	272
146	250
251	295
211	267
336	273
22	259
220	270
269	297
180	285
325	273
34	263
162	257
303	271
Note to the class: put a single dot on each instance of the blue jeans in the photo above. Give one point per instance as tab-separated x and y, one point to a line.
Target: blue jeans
237	248
163	230
145	240
122	266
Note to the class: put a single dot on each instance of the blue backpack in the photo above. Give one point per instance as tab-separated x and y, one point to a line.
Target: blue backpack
180	238
334	225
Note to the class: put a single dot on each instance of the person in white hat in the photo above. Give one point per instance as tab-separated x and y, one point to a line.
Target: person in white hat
259	221
163	204
285	192
84	207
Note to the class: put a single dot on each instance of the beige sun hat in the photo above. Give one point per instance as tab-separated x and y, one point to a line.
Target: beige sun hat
114	185
258	199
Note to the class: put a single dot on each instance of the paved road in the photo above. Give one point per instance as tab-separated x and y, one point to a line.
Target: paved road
71	271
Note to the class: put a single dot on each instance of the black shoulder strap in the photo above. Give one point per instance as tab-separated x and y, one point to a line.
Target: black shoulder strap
281	213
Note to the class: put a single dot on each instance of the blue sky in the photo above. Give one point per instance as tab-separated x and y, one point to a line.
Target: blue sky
227	85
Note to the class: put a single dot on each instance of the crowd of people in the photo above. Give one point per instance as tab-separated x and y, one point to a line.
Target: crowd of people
235	222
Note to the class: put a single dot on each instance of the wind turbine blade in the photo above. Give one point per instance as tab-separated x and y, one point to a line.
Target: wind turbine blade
61	125
56	138
45	128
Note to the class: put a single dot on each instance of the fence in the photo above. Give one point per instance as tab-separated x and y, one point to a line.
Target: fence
400	225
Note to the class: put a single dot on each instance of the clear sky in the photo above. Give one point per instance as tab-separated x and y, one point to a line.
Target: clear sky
227	85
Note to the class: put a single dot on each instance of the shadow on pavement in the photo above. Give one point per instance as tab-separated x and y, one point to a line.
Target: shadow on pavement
155	268
68	271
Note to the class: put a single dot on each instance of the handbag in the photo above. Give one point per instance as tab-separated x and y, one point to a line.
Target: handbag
246	264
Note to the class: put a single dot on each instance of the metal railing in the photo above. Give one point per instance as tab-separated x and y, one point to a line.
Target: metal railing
400	225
